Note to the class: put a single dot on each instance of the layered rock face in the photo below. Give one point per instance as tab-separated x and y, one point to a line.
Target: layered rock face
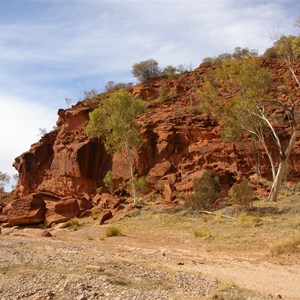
179	143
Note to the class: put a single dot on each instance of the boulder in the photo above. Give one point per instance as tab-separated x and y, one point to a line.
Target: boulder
31	232
3	218
104	216
168	192
62	211
108	201
85	203
27	210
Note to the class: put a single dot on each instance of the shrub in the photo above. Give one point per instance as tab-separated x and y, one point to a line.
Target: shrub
170	71
163	95
112	86
5	198
146	70
113	231
108	181
172	93
4	179
241	53
241	194
166	96
207	61
206	191
181	69
140	184
271	52
90	94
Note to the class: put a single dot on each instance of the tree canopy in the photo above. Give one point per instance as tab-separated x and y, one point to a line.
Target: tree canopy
114	121
146	70
4	179
251	111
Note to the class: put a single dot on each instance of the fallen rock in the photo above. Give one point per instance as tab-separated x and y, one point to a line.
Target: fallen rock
62	211
3	218
168	192
84	203
31	232
108	201
62	225
27	210
105	215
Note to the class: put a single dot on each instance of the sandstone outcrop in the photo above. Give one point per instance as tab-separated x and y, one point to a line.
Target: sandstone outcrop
27	210
179	143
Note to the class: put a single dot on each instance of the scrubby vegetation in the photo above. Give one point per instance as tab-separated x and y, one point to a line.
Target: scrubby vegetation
112	86
205	191
114	122
111	231
241	194
250	114
148	70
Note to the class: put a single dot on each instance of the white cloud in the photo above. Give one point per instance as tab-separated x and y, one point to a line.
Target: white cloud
19	128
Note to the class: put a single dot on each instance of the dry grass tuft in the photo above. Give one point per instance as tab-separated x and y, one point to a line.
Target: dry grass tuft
244	218
201	233
113	231
289	246
74	222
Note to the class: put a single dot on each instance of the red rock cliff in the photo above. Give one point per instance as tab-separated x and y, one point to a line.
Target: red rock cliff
179	143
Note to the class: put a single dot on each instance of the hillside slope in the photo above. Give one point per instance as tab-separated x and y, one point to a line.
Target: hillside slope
179	143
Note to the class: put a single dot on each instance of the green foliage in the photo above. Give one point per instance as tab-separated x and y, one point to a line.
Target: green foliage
4	179
108	181
248	82
114	121
205	191
241	194
239	53
99	189
140	185
286	46
112	86
170	71
163	95
146	70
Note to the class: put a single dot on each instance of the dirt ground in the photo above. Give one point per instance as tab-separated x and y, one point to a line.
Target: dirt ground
143	263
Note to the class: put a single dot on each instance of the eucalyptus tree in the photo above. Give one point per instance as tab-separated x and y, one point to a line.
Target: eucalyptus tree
114	122
253	111
4	179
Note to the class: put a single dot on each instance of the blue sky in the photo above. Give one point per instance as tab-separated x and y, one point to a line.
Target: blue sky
55	49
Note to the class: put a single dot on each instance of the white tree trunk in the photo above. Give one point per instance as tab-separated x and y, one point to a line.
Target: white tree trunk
130	164
277	181
262	140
